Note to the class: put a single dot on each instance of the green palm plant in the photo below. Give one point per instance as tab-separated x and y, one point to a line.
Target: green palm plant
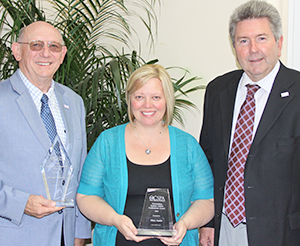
92	68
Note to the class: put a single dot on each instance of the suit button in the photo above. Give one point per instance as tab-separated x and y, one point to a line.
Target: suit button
221	188
177	215
217	215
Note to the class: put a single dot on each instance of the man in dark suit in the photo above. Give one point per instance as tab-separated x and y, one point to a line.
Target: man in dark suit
264	197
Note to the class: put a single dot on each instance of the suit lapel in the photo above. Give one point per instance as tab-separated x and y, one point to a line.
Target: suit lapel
29	111
275	105
227	100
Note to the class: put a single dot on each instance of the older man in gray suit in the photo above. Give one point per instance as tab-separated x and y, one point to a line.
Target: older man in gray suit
26	216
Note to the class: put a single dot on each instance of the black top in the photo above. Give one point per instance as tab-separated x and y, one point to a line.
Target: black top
141	177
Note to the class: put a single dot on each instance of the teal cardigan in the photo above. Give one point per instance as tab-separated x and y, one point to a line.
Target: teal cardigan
105	175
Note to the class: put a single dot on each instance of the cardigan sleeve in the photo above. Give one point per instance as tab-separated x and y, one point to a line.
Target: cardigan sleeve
203	178
192	175
91	182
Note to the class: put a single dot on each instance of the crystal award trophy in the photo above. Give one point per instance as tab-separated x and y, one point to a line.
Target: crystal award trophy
57	172
157	214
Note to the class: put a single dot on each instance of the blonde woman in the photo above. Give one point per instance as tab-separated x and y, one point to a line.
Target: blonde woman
147	152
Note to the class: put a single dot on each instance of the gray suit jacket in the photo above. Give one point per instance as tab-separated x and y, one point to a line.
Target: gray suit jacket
272	170
23	146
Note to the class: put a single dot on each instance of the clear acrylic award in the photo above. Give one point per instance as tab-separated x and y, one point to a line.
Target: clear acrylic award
57	172
157	214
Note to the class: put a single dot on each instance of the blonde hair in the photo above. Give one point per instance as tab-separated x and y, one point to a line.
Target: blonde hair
140	77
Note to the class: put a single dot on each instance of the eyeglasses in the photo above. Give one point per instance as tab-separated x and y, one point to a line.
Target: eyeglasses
38	45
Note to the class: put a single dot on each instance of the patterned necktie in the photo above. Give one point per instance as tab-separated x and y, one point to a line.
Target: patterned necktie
49	123
234	197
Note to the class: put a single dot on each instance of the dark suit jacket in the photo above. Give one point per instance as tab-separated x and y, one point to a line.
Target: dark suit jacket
272	170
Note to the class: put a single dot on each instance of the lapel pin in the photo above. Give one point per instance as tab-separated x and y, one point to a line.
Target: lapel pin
67	106
285	94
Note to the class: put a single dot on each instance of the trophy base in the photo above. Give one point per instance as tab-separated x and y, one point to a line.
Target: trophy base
156	233
65	203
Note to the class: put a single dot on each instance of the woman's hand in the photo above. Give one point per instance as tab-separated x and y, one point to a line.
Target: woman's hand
125	226
99	211
199	213
181	229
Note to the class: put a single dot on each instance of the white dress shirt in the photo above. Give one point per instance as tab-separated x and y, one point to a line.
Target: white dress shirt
261	98
36	95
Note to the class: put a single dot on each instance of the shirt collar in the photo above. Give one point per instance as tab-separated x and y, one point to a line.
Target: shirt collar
265	83
33	89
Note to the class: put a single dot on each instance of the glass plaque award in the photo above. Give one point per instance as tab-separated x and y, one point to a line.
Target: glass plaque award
57	172
157	214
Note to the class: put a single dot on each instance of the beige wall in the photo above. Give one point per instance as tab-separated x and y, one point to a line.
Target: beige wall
194	34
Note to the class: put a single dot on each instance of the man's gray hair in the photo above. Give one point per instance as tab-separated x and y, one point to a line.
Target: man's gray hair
256	10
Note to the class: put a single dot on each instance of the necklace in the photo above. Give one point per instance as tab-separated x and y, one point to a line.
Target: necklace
148	151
